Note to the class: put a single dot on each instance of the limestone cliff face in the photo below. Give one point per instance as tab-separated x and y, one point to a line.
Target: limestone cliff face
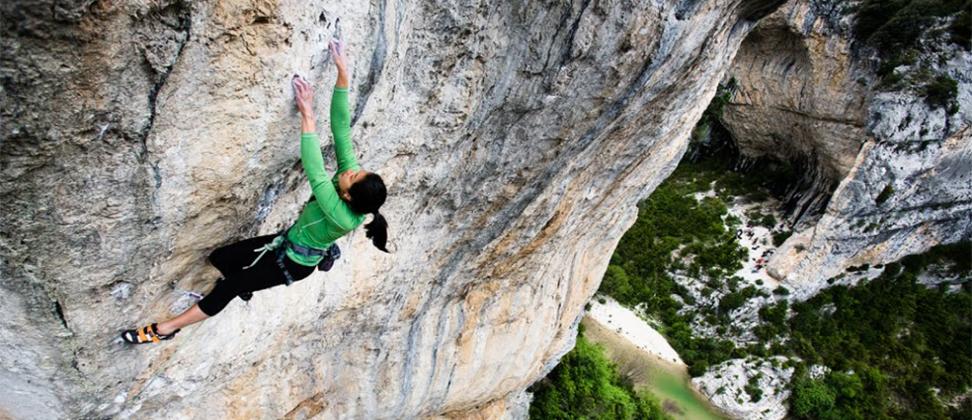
516	139
891	175
800	93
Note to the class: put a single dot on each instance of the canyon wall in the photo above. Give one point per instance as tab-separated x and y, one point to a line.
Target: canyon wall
890	174
516	139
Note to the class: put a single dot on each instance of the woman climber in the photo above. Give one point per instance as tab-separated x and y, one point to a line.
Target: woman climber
338	206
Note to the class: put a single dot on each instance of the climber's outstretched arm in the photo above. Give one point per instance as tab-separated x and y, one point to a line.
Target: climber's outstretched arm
340	112
310	148
305	104
337	54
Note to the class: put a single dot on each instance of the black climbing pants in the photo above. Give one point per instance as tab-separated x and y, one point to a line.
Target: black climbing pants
230	261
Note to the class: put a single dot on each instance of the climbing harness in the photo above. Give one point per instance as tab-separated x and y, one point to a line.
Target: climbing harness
280	244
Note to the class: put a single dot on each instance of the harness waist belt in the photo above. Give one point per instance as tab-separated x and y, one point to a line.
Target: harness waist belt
305	251
280	244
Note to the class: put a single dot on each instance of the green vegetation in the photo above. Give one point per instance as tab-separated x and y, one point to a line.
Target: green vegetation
894	28
810	398
885	194
941	92
676	232
758	218
890	343
670	386
752	388
773	319
586	385
672	220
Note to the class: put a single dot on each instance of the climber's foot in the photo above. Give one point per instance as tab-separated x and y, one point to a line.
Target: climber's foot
146	334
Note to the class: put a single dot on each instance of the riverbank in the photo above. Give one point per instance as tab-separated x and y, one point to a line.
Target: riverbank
667	382
632	327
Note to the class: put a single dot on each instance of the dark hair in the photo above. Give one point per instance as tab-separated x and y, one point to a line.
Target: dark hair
367	195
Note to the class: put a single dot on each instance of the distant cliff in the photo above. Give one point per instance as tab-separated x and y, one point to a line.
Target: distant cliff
516	139
888	167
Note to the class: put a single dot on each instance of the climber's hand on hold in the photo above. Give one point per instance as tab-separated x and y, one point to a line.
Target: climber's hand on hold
337	53
304	96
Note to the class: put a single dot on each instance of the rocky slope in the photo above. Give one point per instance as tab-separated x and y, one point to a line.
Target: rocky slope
729	386
516	139
886	174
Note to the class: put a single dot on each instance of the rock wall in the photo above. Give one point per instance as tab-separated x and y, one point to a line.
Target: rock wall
891	174
801	94
516	139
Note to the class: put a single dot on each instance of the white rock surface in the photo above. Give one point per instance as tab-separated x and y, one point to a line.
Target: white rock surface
614	316
515	137
941	275
724	385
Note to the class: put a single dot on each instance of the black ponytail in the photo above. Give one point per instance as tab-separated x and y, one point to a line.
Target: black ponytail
377	230
367	195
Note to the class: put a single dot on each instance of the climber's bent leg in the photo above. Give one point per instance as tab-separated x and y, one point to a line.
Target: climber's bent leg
220	296
190	316
264	275
230	260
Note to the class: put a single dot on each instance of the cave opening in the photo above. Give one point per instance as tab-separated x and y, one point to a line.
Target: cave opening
798	184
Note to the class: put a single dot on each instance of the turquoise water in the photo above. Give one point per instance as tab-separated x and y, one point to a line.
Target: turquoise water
668	383
676	395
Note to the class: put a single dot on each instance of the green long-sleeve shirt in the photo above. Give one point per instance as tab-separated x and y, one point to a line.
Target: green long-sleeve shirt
328	217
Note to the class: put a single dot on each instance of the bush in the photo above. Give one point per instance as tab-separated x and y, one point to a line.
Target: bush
811	399
735	300
775	314
752	388
884	195
617	284
940	93
587	385
767	221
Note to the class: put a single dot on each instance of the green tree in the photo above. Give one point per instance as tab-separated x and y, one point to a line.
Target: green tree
811	399
586	385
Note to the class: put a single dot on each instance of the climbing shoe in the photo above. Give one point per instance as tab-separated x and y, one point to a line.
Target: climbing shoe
146	334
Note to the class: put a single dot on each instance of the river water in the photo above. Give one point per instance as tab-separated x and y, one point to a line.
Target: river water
668	381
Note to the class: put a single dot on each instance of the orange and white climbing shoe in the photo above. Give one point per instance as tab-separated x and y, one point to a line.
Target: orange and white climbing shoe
146	334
